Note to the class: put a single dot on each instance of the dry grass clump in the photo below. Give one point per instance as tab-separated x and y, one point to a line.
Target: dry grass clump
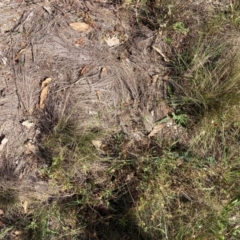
209	74
208	90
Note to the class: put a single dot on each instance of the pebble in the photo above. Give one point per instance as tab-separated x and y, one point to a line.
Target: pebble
17	233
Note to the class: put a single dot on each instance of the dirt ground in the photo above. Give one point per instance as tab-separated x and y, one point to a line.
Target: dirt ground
93	61
112	74
108	76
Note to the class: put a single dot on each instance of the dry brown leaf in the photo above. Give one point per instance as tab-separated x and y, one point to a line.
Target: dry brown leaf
83	70
166	76
155	78
25	206
166	59
80	26
19	54
20	176
98	93
157	129
79	42
103	72
44	92
45	82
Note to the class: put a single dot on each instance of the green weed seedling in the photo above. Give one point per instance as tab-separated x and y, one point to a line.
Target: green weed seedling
180	118
4	233
168	40
179	27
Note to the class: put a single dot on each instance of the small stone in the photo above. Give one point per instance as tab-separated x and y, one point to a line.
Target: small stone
27	124
17	233
3	143
112	41
97	144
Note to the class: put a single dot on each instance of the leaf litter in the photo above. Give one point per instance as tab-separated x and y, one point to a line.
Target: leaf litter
44	92
91	75
80	26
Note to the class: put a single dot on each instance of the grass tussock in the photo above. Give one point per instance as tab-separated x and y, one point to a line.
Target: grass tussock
208	87
209	75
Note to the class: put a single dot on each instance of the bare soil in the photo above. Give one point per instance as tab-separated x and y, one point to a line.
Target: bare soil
119	88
